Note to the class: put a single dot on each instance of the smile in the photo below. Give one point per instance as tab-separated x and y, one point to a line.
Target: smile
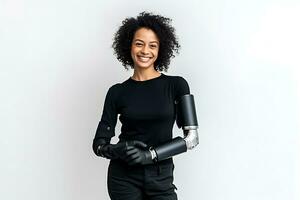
143	58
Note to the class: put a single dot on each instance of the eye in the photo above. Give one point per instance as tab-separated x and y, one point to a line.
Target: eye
153	46
138	44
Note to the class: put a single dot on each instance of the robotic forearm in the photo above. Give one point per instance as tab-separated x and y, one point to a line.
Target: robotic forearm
187	120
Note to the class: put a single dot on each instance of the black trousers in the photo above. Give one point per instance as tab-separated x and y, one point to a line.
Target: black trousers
148	182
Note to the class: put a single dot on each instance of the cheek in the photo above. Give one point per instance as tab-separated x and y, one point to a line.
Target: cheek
132	52
156	53
157	50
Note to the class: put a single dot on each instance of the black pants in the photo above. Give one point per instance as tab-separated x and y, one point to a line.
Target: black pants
148	182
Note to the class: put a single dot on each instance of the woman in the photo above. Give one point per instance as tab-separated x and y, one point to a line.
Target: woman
141	165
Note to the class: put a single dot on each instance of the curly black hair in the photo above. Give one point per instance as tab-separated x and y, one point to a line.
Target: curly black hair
168	43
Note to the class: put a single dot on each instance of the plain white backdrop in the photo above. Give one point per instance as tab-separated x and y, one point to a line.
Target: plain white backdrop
241	59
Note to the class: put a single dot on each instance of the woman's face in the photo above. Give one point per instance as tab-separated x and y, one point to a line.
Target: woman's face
144	48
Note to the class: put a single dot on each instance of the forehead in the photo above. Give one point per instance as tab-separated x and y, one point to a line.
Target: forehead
145	34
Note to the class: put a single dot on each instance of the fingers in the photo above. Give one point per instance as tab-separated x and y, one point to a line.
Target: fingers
128	148
136	143
139	144
131	151
133	157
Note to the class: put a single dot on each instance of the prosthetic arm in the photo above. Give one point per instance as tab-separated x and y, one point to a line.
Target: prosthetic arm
187	120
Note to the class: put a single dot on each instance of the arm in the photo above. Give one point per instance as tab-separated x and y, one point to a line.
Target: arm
187	120
106	126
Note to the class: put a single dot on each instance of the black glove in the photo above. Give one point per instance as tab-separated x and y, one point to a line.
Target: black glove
136	155
119	150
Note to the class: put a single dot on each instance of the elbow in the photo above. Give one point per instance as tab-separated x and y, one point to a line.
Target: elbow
191	138
94	147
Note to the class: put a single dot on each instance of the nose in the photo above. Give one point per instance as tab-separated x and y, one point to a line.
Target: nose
145	49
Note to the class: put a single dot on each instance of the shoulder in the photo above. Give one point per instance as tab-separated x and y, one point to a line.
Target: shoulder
119	88
115	87
175	78
180	85
113	91
178	81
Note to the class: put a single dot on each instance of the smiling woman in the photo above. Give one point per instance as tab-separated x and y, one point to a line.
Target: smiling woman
149	102
164	35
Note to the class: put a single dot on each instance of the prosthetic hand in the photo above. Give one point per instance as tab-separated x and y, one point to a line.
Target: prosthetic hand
138	155
120	150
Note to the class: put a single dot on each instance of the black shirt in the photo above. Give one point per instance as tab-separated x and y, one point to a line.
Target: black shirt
146	109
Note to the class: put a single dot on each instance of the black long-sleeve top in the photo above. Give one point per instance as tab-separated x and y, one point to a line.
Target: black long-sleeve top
146	109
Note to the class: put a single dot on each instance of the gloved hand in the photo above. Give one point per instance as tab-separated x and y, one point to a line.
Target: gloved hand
119	150
137	155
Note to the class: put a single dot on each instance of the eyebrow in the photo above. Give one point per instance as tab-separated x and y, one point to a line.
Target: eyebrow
144	42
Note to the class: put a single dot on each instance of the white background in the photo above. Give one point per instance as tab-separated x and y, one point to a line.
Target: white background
241	59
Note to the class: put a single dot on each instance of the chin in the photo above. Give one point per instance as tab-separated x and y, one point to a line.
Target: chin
144	65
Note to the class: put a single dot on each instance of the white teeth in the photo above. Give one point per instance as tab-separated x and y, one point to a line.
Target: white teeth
144	59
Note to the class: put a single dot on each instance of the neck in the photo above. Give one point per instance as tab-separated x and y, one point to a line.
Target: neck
144	74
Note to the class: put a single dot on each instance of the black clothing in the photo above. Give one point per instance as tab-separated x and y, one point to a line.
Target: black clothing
140	182
147	109
147	112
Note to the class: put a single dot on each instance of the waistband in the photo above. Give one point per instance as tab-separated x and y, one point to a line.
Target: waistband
157	165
